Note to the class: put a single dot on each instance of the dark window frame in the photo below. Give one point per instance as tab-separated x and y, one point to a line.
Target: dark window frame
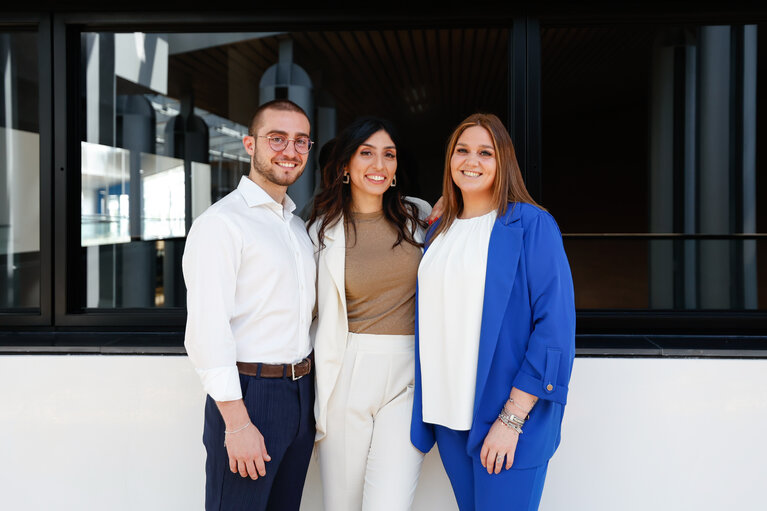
61	35
647	322
66	32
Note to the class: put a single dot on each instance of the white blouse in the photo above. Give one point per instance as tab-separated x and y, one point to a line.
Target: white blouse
451	288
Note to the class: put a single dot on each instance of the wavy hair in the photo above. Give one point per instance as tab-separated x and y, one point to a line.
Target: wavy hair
508	185
334	199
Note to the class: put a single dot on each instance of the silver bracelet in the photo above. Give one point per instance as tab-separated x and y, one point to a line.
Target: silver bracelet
237	430
527	412
512	421
508	423
519	421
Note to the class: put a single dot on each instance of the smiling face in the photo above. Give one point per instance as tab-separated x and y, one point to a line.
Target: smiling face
473	164
274	170
371	170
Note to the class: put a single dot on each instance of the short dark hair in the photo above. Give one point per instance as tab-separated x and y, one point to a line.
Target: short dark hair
284	105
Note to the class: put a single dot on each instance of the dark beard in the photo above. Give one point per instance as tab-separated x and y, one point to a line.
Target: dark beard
268	173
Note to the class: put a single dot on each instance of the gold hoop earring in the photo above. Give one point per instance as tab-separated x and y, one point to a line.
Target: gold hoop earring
346	179
393	182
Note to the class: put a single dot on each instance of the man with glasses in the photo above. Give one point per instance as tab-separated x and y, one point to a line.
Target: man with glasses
250	275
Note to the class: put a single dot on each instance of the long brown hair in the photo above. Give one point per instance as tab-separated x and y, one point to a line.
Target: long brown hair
508	185
334	200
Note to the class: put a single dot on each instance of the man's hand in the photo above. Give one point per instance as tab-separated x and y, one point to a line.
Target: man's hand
247	452
245	446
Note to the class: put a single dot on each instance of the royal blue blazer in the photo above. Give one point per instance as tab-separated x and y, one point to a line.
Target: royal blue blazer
527	337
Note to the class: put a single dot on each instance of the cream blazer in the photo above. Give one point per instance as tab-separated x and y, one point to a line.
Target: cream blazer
330	328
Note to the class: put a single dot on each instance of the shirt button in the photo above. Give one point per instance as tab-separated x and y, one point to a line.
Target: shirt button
549	387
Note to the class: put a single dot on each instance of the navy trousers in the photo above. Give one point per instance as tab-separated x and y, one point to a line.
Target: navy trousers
475	489
282	410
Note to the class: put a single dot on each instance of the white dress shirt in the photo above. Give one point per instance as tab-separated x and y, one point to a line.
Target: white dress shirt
249	270
451	293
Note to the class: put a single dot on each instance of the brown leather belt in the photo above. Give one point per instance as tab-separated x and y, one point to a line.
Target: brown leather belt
293	371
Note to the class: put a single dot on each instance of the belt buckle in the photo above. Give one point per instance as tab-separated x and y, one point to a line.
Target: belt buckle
293	372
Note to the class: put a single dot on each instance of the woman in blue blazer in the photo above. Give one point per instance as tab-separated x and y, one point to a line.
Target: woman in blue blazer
494	348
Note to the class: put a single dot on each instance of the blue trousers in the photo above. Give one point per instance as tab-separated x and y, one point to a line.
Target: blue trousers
282	410
475	489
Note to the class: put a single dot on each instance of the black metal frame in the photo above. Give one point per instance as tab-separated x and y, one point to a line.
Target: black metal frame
642	322
67	30
60	162
525	100
67	169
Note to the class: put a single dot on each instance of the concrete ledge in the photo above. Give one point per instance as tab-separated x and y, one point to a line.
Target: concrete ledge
172	343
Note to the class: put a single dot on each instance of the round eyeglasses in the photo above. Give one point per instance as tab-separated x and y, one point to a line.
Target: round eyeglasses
279	143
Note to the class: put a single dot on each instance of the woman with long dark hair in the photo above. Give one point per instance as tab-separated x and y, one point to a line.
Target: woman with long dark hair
368	239
496	327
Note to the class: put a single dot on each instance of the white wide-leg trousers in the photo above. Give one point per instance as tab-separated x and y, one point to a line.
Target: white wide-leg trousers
366	459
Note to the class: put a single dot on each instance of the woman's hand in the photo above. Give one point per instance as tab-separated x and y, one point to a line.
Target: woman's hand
500	444
436	211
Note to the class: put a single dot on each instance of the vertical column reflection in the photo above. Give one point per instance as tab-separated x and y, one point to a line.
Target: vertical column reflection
703	168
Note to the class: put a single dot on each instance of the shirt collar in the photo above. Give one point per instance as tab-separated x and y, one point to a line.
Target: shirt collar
256	196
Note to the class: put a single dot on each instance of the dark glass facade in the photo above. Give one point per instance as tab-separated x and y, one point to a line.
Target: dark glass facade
19	172
163	116
642	136
652	163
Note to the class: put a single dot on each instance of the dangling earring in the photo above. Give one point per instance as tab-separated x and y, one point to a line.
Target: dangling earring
346	179
393	182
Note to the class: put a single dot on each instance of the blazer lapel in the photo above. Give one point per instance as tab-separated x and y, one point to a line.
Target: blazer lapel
335	257
502	261
418	234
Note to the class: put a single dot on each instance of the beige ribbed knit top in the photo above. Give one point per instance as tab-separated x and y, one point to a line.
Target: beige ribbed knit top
380	280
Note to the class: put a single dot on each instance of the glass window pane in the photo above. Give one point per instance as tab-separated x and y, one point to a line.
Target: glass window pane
614	273
19	172
164	116
653	130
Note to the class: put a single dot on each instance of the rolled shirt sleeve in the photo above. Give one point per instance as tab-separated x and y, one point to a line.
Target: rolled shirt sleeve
211	261
548	362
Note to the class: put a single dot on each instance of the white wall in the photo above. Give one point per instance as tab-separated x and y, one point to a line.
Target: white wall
124	433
